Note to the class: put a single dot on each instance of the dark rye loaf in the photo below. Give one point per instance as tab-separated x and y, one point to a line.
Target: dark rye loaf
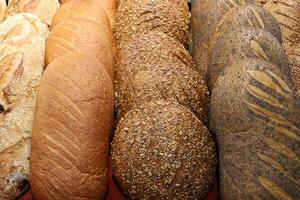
255	114
162	151
246	43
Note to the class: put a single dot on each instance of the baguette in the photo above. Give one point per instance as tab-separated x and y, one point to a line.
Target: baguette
44	9
162	151
255	114
71	130
22	47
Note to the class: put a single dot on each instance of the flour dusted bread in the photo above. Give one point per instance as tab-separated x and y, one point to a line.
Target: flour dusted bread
3	7
139	16
71	130
206	15
44	9
255	113
22	49
246	43
162	151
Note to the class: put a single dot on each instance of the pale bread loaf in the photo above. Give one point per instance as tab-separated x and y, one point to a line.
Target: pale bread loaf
22	50
44	9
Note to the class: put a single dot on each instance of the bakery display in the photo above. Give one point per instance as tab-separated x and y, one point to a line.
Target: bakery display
22	49
71	130
43	9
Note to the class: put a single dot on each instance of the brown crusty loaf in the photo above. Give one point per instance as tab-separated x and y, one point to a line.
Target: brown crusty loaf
255	114
287	13
246	43
3	7
162	151
71	130
168	82
248	15
139	16
22	47
44	9
206	15
151	49
69	36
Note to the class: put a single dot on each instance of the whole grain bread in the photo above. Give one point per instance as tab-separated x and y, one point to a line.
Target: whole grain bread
139	16
162	151
22	48
206	15
71	130
255	114
246	43
44	9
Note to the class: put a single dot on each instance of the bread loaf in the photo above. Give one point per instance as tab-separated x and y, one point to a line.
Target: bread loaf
139	16
287	13
246	43
171	83
3	7
255	114
206	15
162	151
69	36
22	47
147	50
44	9
71	130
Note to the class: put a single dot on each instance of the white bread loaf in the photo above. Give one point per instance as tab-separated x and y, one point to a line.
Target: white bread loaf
22	50
3	7
71	130
44	9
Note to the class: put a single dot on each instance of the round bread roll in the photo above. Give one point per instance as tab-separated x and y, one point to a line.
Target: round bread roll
139	16
69	36
206	15
162	151
168	82
248	15
150	50
255	114
43	9
243	43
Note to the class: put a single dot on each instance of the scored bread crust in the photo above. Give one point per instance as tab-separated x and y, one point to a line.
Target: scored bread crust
3	7
71	130
139	16
22	48
162	151
147	50
69	36
44	9
246	43
206	15
255	114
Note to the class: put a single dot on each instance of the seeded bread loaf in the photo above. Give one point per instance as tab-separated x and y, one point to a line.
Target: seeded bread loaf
170	83
255	114
162	151
22	47
44	9
206	15
3	7
139	16
287	13
147	50
246	43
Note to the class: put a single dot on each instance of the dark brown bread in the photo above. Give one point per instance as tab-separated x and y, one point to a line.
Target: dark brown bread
170	83
147	50
162	151
206	15
139	16
255	114
246	43
71	130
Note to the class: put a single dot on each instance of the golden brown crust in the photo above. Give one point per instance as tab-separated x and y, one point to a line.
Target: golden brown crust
69	36
162	151
44	9
3	7
139	16
71	130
